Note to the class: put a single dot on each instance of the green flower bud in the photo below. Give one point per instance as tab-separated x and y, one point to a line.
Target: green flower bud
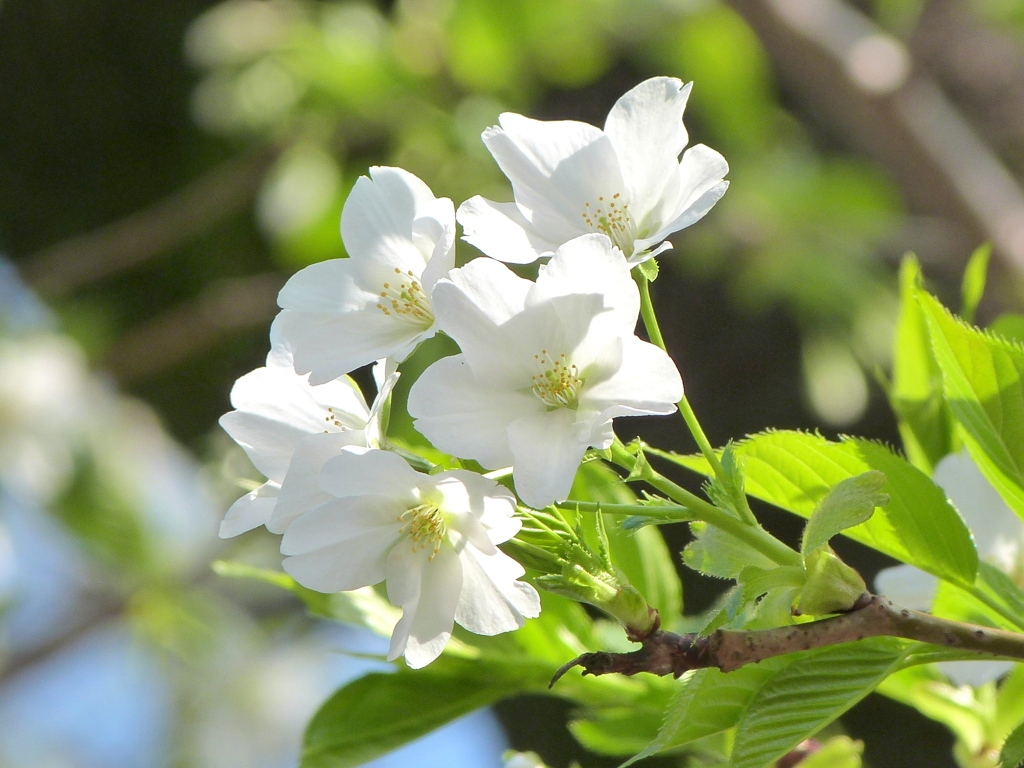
831	587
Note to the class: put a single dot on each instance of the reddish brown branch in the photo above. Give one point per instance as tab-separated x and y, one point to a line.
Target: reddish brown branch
666	653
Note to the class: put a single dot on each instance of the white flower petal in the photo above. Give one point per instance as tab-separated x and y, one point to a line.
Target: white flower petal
627	181
556	168
428	612
339	520
691	192
442	258
457	415
493	600
327	286
379	214
250	511
591	264
374	432
484	289
355	473
301	490
331	345
342	544
276	408
646	381
646	129
344	313
502	232
491	504
547	454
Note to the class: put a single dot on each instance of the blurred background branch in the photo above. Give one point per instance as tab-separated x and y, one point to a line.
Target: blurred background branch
224	191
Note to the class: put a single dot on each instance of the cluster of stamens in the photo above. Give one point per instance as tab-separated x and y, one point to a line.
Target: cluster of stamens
406	300
335	420
426	526
558	382
612	219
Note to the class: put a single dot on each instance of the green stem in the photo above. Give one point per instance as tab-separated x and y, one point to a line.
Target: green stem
654	333
671	513
754	535
647	311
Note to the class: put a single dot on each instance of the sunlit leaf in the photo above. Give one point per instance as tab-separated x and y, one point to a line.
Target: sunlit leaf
796	470
1012	753
717	553
641	555
1009	325
850	503
777	703
973	286
916	392
362	607
710	701
981	376
837	752
808	694
377	713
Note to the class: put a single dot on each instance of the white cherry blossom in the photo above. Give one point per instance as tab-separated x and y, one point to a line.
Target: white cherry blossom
570	178
544	367
341	314
998	535
278	415
431	537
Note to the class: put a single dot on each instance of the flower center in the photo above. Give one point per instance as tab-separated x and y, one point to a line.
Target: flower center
557	381
406	300
341	421
426	526
611	216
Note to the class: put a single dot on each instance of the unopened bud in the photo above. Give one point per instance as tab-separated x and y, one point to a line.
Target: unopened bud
831	587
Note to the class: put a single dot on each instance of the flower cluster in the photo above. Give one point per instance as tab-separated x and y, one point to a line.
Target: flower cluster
544	367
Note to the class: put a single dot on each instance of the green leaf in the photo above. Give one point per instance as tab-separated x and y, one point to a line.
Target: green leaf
362	607
796	470
925	423
709	701
641	469
981	377
808	694
1012	753
794	696
641	555
1009	702
996	601
377	713
563	630
851	502
628	726
973	286
717	553
1009	326
104	516
929	692
837	752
